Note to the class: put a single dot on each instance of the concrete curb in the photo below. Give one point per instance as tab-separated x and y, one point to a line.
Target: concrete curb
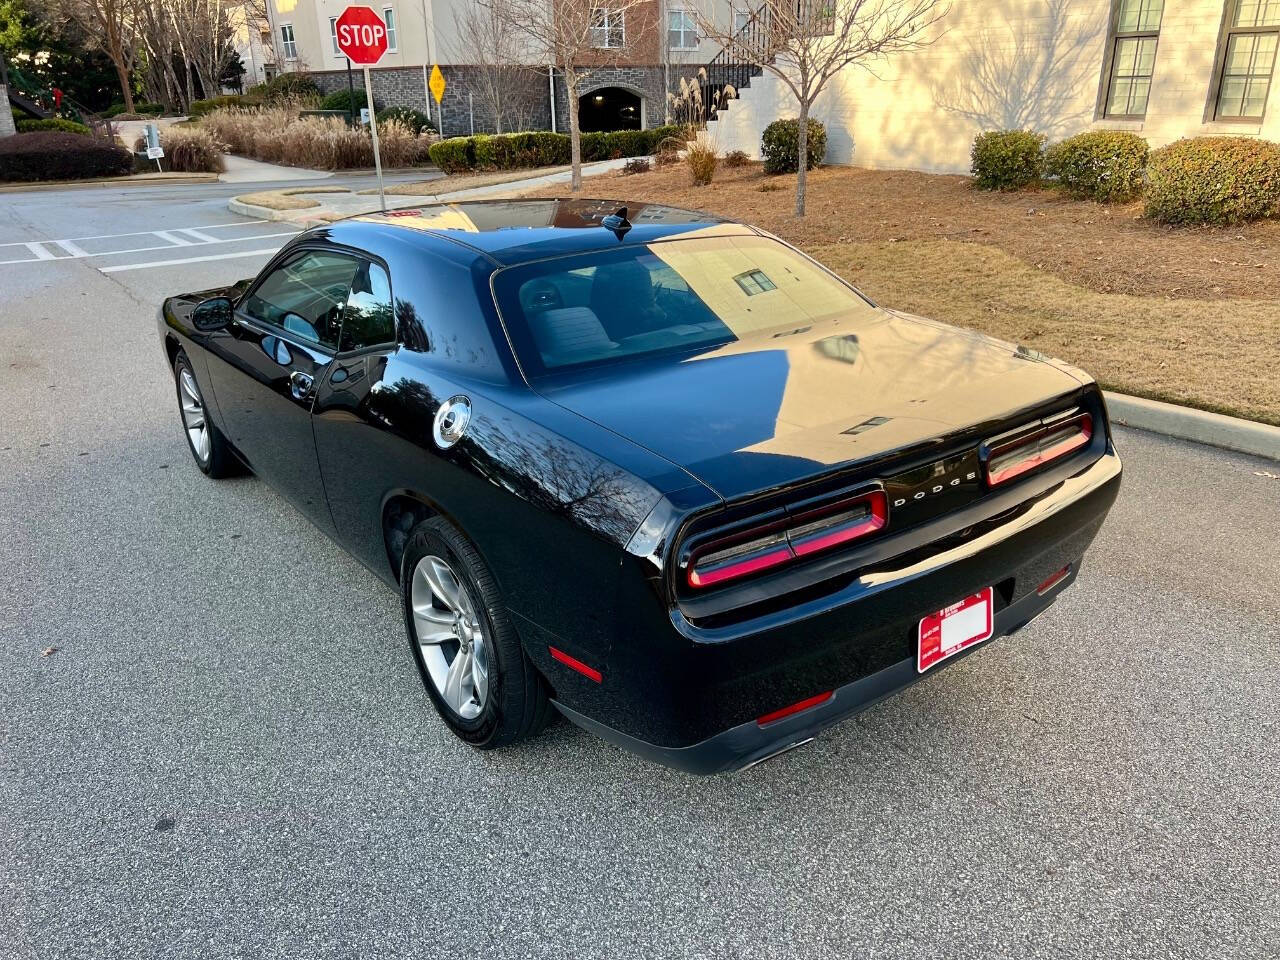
137	180
320	215
1198	426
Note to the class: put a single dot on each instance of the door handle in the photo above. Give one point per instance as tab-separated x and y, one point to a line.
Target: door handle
300	384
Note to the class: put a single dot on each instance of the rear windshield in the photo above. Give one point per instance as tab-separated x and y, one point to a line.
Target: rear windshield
673	296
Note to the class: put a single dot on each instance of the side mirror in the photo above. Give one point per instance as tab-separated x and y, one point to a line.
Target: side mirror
212	314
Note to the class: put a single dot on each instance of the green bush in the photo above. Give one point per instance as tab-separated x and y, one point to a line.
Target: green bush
411	119
1007	159
780	146
1214	180
60	156
454	155
290	87
347	100
29	125
1103	165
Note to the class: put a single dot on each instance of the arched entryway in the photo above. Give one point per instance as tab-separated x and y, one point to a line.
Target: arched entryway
610	108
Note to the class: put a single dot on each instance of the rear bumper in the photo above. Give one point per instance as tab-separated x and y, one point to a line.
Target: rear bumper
689	697
749	742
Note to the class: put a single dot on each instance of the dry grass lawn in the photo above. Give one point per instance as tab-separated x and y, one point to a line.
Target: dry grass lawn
1188	315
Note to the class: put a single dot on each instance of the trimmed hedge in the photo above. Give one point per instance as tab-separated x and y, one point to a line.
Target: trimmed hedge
780	146
407	117
199	108
140	108
1108	166
60	156
55	124
542	148
1007	159
352	101
1220	180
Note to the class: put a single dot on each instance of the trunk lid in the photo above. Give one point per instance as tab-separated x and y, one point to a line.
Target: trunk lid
766	412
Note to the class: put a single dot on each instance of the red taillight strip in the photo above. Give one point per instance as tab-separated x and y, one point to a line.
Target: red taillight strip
877	502
740	568
1084	425
573	663
795	708
797	544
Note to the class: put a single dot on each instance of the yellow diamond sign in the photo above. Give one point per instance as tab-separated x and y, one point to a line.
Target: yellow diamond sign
437	83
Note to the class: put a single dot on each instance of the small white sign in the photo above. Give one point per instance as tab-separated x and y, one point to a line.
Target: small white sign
364	116
155	153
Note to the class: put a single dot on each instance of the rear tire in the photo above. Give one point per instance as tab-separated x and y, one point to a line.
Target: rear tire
209	448
464	643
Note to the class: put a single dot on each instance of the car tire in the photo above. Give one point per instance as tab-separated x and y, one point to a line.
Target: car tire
463	641
209	448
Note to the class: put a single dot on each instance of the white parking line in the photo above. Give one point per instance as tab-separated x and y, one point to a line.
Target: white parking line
172	238
173	263
141	233
43	254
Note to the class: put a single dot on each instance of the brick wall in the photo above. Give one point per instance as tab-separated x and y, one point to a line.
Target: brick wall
528	108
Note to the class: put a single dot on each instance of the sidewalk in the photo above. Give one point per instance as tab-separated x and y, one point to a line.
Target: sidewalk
329	205
244	170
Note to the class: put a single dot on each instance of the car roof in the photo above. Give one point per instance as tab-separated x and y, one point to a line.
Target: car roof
514	231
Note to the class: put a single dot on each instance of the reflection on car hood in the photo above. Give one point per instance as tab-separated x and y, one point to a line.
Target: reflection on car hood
762	413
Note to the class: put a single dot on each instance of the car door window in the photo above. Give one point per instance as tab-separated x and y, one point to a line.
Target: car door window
305	296
369	319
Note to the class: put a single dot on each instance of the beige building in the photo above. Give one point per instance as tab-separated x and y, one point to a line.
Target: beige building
1162	68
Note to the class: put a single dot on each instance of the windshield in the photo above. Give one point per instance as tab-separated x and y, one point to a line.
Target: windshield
672	296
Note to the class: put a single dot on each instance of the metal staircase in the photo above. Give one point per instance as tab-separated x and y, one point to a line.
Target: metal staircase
732	68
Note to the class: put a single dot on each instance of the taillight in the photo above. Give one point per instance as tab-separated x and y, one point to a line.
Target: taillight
780	542
1050	440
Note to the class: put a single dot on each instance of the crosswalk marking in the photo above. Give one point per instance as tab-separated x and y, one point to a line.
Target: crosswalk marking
173	238
40	252
71	247
198	234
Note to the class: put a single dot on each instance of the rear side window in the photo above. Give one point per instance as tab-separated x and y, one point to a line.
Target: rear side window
369	320
305	297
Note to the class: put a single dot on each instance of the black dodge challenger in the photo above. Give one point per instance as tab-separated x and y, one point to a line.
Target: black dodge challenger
660	471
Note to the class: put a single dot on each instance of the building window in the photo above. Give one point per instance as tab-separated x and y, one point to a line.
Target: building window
389	18
333	36
1248	55
682	31
1135	34
753	282
286	40
607	30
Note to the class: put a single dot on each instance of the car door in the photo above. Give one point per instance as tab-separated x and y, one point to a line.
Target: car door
274	354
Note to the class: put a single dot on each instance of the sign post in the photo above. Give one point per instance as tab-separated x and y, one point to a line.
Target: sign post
362	38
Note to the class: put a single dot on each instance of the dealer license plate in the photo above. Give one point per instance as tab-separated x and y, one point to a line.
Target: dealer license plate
955	628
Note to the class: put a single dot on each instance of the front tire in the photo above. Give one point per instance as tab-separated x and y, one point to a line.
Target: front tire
209	448
464	644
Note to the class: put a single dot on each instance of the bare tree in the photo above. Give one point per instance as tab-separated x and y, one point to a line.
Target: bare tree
497	51
579	36
112	26
805	43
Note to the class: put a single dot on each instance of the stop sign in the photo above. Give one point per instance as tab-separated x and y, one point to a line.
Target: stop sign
362	36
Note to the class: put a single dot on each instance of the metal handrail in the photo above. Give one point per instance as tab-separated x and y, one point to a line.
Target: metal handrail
731	68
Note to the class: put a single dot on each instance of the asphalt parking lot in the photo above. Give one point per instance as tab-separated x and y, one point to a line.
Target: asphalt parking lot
228	752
